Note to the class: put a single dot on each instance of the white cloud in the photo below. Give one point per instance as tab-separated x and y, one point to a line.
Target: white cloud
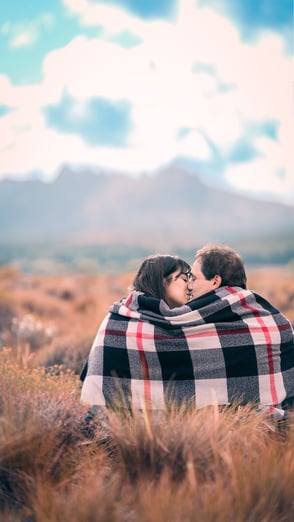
276	175
158	78
272	172
23	38
194	146
27	32
260	178
113	19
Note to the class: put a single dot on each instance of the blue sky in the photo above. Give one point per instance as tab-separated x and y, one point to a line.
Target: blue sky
132	85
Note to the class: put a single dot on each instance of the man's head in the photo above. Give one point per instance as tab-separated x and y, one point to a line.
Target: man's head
215	266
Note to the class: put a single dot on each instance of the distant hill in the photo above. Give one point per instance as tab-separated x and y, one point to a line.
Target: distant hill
171	207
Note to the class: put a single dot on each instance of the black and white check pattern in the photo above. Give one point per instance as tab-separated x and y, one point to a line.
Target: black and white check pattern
228	345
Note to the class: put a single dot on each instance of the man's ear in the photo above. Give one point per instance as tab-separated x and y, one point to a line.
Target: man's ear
217	281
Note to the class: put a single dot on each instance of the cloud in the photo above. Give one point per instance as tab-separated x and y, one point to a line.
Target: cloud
27	32
260	179
254	17
98	121
111	18
192	144
153	9
23	37
150	9
146	90
270	174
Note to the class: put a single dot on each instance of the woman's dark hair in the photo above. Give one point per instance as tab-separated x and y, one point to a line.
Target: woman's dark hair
224	261
153	270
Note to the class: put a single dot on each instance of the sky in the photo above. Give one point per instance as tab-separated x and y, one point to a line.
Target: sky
133	85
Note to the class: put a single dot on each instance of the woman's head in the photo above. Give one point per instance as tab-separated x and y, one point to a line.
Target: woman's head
164	277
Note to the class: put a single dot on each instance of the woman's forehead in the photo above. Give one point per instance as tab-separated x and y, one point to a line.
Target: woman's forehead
180	272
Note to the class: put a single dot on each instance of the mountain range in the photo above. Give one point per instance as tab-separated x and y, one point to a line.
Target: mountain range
170	207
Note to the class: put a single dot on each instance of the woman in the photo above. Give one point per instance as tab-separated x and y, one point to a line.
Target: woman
162	281
164	277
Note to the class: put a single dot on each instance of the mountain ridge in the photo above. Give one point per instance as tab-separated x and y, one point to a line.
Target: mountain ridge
169	207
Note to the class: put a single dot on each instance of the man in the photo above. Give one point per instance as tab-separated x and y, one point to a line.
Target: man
216	266
227	345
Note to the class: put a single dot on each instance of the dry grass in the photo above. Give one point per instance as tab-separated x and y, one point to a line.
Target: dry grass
276	285
233	465
205	465
71	308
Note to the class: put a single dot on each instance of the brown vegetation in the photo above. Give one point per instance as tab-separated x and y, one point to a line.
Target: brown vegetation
234	465
206	465
55	318
277	285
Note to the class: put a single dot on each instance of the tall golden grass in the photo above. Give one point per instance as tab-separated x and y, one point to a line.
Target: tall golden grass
182	465
234	465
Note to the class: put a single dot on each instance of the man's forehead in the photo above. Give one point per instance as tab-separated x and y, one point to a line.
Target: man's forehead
197	264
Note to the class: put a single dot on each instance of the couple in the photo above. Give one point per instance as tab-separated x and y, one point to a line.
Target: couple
194	336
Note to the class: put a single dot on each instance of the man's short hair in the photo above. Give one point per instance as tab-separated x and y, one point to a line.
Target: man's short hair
224	261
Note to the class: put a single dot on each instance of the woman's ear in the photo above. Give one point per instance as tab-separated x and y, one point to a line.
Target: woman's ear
217	282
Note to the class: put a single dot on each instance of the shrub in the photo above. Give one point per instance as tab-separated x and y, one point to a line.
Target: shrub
32	330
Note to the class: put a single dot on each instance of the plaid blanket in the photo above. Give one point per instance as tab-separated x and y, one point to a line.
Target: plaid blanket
228	345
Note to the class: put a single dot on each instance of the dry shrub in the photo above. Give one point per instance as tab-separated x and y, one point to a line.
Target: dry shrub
71	307
277	285
70	354
7	314
55	318
42	431
33	331
7	305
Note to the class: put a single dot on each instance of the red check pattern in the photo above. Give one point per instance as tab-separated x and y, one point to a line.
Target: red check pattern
226	346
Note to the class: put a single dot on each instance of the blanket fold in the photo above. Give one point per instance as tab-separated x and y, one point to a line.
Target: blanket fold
226	346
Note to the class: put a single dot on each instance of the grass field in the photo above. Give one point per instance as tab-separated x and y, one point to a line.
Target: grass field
234	465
